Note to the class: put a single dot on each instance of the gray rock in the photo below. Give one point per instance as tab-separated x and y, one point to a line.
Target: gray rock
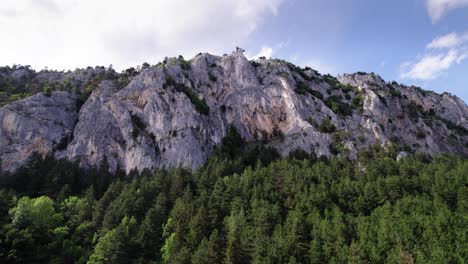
39	124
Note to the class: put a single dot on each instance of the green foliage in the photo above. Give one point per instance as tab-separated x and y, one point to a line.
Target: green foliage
37	213
200	104
457	128
358	102
302	73
327	126
94	83
296	210
316	94
169	82
244	154
117	245
255	64
336	105
236	238
139	126
394	92
416	111
332	81
151	230
47	90
302	88
185	65
233	143
44	175
338	140
347	88
46	81
12	89
300	154
209	250
312	122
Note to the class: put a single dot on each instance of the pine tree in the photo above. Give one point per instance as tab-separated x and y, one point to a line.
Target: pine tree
117	245
209	250
198	228
264	216
151	230
236	243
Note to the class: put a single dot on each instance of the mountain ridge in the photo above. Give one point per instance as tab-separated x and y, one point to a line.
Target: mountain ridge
177	112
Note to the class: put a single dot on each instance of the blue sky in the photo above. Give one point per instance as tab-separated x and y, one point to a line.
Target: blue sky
367	35
420	42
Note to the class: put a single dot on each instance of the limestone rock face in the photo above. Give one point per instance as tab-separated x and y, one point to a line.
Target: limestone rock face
39	124
177	112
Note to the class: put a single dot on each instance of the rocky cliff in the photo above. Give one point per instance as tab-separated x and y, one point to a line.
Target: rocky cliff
176	112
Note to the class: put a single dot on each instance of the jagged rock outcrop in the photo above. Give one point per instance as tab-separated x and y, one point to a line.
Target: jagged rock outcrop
175	113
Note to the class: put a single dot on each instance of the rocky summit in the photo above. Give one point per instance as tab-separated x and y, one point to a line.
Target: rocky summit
177	112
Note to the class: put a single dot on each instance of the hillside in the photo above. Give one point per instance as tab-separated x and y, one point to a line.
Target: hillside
178	112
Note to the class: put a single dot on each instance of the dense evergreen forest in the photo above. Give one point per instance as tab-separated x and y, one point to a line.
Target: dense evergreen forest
246	205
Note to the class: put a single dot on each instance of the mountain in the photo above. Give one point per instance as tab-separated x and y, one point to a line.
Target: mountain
178	112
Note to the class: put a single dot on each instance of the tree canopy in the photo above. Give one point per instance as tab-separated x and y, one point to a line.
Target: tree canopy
293	210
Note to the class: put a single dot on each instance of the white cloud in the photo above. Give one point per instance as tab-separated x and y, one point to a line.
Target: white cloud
441	54
438	8
76	33
448	41
462	57
431	66
266	52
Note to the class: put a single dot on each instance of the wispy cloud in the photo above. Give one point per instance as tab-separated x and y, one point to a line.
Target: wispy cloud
441	53
431	66
438	8
450	40
70	33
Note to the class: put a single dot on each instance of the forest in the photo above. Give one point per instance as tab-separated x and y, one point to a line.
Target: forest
246	205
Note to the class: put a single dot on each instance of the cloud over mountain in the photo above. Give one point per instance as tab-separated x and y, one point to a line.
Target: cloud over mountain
70	33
